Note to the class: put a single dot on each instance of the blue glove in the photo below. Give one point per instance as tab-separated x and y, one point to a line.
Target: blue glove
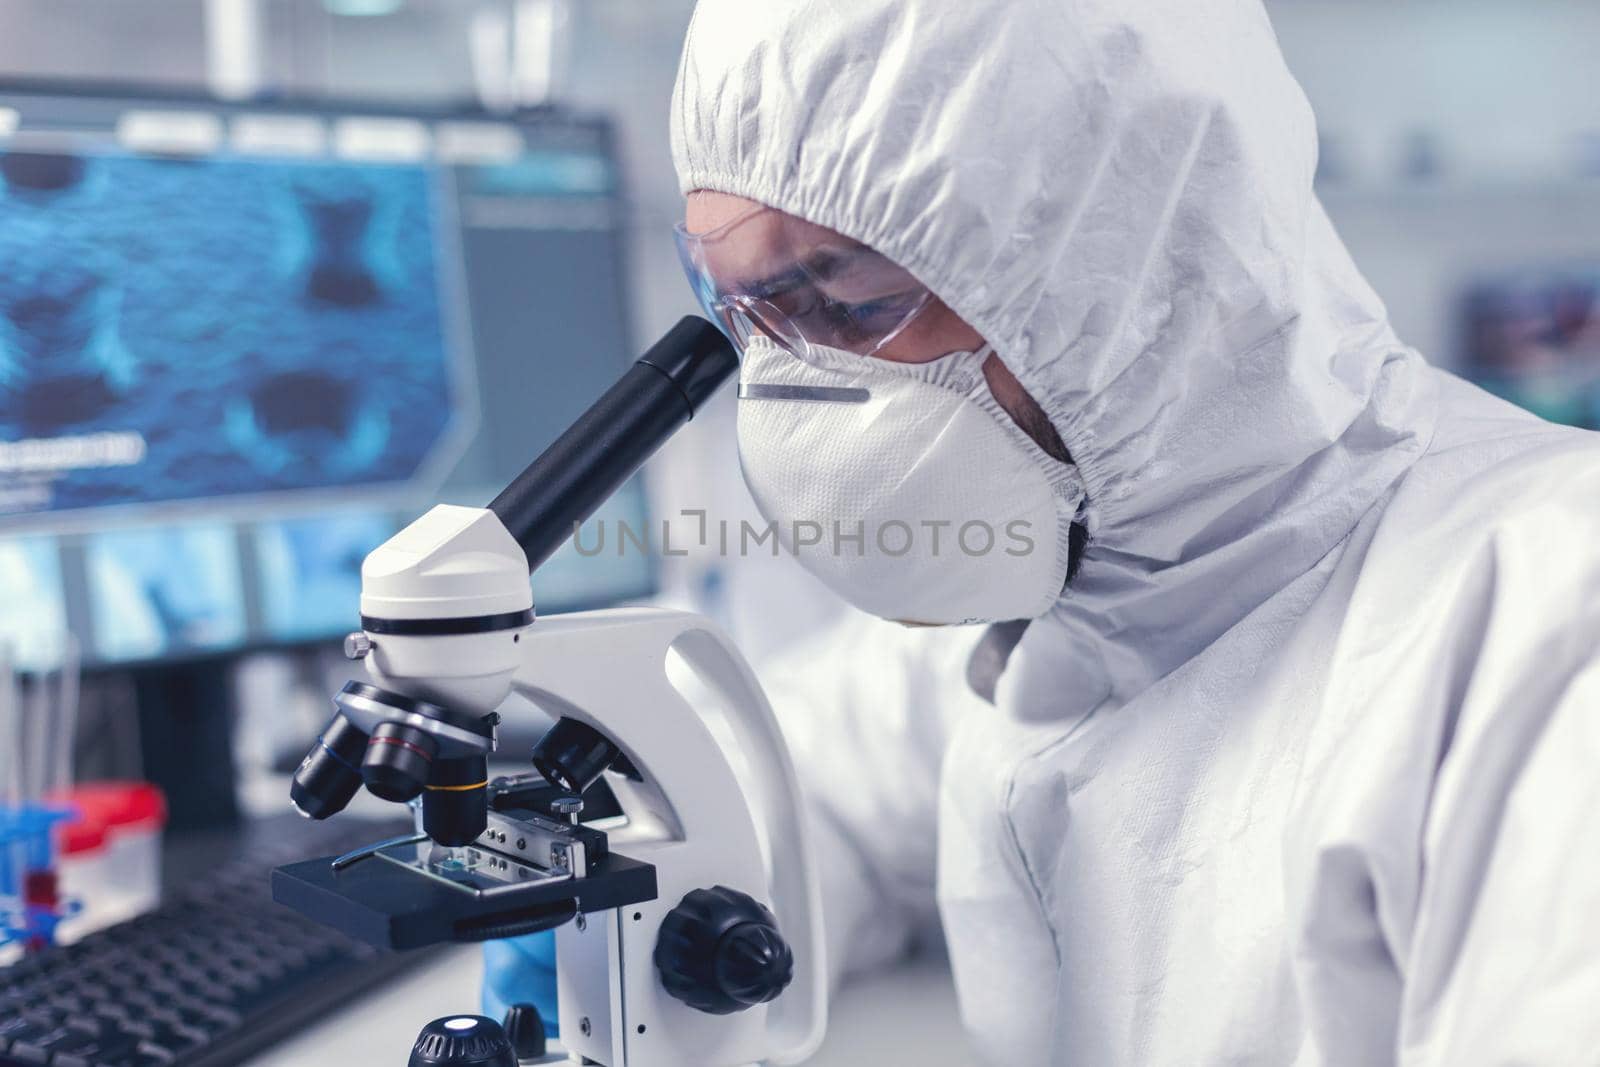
521	970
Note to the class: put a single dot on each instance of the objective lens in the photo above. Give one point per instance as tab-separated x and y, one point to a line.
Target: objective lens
572	755
399	761
455	806
329	775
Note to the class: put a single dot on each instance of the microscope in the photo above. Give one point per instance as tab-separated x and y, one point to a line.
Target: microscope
687	916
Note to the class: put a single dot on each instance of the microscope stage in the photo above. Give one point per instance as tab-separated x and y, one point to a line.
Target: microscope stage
397	906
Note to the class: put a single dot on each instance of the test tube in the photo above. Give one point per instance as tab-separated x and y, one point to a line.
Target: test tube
39	725
11	738
56	691
11	845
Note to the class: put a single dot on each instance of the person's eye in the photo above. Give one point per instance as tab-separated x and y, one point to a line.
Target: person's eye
797	302
884	313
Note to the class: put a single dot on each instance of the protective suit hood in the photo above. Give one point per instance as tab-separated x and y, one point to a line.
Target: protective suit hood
1118	196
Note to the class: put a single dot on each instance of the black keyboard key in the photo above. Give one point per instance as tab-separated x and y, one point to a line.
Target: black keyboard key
12	1027
150	1054
139	1028
93	1048
26	1052
225	1018
96	1058
41	1048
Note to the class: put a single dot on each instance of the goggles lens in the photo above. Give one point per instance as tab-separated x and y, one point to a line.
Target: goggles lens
799	284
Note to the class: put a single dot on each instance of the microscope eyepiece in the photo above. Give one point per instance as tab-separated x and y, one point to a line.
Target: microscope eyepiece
330	774
611	440
399	761
572	755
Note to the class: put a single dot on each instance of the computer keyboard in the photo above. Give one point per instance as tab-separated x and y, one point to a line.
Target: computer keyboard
215	974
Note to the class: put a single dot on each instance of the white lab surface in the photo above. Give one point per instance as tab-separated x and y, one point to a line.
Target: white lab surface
1301	769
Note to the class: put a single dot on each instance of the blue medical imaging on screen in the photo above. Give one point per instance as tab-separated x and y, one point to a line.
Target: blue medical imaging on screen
165	591
33	613
311	572
175	329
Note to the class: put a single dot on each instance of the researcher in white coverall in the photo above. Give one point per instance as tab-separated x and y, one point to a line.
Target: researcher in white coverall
1281	742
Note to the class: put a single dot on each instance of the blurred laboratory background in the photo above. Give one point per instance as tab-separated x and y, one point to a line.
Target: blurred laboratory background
277	275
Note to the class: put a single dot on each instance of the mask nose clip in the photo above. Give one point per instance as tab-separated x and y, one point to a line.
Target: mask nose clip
819	394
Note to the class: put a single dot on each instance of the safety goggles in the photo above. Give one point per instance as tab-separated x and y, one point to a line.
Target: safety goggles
769	273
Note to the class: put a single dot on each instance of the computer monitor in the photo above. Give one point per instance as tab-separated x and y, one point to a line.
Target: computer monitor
240	345
198	329
1533	337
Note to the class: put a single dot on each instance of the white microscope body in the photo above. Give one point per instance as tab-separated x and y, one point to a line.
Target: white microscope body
688	928
688	814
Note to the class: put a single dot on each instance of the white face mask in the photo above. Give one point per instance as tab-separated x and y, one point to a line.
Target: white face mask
905	487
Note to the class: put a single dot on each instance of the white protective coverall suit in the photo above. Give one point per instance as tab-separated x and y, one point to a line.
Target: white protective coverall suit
1304	767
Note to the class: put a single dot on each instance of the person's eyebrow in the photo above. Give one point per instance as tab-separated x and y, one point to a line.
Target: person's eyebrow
781	282
819	266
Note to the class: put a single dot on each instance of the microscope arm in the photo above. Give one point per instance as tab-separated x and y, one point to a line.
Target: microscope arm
691	815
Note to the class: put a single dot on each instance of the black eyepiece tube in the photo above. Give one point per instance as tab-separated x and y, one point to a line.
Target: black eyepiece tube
612	440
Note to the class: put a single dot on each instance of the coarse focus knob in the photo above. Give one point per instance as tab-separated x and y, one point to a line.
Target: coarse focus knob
462	1041
719	951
